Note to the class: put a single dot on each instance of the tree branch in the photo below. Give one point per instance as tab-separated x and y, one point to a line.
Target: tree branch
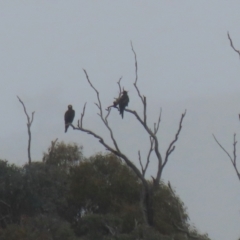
116	152
119	86
234	158
136	72
140	161
171	147
231	44
149	154
156	126
29	123
82	114
104	119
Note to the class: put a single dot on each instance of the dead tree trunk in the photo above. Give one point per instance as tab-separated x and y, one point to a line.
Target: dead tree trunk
29	123
147	188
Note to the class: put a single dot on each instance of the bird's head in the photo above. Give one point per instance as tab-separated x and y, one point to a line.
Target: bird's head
70	106
124	92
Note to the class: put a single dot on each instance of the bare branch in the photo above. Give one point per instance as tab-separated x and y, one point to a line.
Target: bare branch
149	154
234	158
143	98
99	102
120	88
223	148
104	119
171	147
231	44
116	152
82	115
136	74
156	126
140	161
53	143
29	123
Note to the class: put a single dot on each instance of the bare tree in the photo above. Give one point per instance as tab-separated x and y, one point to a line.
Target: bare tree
29	123
147	189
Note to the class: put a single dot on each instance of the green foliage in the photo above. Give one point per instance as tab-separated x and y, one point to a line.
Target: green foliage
168	209
102	184
97	198
63	155
39	228
11	187
47	186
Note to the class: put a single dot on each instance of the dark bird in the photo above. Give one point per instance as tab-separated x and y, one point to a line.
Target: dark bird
122	102
68	117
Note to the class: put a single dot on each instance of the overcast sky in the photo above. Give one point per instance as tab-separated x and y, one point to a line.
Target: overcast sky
185	62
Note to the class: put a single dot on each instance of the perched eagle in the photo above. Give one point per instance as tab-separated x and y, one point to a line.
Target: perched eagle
122	102
68	117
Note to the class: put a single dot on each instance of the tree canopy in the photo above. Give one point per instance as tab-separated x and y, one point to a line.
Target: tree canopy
95	198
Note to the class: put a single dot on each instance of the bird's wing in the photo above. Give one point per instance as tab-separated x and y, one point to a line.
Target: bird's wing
66	116
124	100
73	115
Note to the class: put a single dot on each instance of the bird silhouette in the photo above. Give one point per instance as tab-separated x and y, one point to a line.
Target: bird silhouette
68	117
122	102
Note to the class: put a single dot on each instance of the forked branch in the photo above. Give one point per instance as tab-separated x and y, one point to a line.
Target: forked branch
171	147
234	158
29	123
143	98
99	105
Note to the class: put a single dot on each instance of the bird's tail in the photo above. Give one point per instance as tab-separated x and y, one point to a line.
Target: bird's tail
66	127
121	112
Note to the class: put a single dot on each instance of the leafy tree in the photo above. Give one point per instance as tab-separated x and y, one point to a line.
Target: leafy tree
104	185
63	155
107	196
100	198
11	187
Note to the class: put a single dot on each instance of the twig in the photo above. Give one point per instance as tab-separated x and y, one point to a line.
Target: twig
156	126
234	158
143	98
82	114
171	147
99	102
149	154
223	148
231	44
120	88
136	73
104	119
29	123
140	161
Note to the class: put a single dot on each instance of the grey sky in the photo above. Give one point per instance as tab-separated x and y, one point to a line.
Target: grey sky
184	60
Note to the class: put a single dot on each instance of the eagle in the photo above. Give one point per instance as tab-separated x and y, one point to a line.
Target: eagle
122	102
68	117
